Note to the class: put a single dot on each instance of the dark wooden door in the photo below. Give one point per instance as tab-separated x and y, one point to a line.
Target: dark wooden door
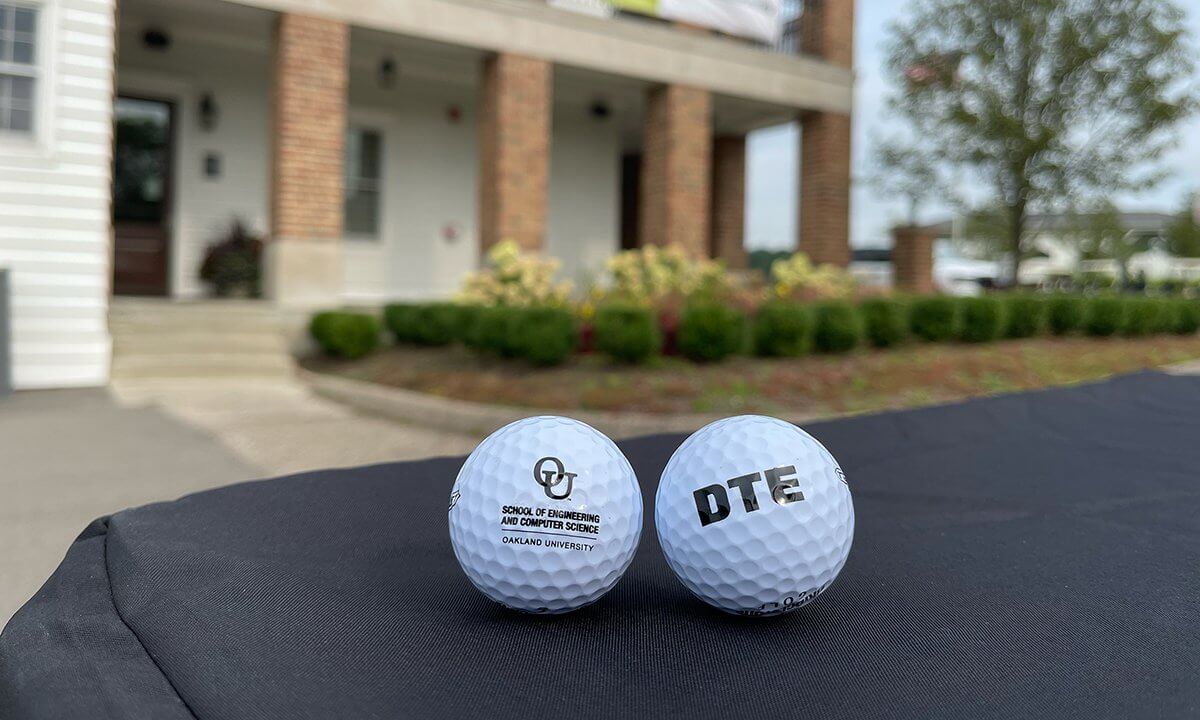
142	150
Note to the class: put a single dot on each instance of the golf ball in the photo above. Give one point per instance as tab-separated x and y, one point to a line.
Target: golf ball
754	515
545	515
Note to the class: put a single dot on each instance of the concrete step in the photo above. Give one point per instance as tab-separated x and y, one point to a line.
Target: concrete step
161	339
139	343
218	322
201	365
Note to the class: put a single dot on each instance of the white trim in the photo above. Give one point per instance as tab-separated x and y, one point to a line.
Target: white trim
40	142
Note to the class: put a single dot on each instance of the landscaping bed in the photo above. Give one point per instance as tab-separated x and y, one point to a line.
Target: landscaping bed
666	333
908	376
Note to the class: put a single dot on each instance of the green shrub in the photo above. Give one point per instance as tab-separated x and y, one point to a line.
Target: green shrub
1185	316
710	331
1065	314
981	319
544	336
1024	315
1142	316
401	320
934	319
782	329
494	331
838	327
885	321
1104	315
438	323
627	333
468	317
347	335
1167	309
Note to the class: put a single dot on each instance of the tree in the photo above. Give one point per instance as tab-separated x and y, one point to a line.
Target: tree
1183	233
1046	104
907	171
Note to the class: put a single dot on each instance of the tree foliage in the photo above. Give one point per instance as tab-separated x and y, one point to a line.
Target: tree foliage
1046	103
908	170
1183	233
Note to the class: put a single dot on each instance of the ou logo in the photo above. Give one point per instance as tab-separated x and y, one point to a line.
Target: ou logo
551	477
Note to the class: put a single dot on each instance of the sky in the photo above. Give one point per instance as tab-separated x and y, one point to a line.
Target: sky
772	152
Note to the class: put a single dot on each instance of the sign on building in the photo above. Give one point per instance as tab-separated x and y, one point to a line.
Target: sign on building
757	19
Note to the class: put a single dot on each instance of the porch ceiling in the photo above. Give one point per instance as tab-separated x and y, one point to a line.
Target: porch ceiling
213	22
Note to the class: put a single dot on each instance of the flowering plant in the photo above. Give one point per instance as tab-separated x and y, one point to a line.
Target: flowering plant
514	279
796	277
651	274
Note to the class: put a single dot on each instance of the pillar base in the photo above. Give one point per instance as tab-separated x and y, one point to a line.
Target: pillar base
912	259
303	272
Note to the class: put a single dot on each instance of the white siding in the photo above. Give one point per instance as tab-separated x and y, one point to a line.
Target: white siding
54	212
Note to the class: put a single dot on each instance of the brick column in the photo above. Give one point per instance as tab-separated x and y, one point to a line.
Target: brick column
514	150
912	259
729	200
676	168
303	260
827	31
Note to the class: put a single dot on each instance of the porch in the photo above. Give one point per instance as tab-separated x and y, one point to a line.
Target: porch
380	165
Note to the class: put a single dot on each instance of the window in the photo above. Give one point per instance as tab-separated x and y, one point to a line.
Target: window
362	166
18	66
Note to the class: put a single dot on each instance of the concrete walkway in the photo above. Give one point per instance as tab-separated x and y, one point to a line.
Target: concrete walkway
69	456
281	427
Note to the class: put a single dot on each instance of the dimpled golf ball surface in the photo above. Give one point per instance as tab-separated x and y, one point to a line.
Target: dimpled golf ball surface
545	515
762	561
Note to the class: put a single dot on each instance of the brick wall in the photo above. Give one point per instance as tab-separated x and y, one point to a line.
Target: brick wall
827	31
514	150
729	200
912	259
825	187
309	128
676	168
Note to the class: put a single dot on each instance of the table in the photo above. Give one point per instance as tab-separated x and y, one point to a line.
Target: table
1031	555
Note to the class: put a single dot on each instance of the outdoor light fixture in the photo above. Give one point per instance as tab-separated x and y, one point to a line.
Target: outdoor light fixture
387	73
156	39
209	112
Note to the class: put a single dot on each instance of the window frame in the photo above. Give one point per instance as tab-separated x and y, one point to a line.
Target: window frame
38	140
32	71
360	128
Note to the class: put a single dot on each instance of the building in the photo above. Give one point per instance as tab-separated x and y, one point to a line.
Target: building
1057	256
382	147
950	273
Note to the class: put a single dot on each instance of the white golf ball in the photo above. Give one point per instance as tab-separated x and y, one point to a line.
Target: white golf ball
754	515
545	515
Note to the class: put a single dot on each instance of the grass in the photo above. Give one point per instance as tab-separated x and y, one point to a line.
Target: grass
908	376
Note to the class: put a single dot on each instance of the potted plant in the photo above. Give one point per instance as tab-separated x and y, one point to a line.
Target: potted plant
232	266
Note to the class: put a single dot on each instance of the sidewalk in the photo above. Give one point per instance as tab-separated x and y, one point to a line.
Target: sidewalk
69	456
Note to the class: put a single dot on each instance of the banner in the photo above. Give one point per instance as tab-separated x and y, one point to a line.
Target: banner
757	19
645	7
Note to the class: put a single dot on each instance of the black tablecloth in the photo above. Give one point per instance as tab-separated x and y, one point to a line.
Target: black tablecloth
1033	555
